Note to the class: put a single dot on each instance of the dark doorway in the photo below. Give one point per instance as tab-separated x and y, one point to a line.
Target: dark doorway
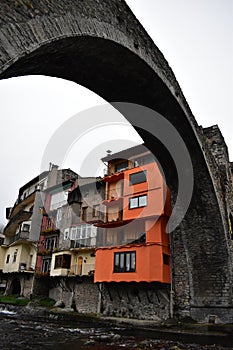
15	287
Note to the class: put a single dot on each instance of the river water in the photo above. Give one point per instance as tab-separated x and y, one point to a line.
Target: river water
25	332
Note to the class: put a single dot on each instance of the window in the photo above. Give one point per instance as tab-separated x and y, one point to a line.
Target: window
26	228
138	202
149	158
50	242
73	233
46	265
7	258
58	200
137	178
88	231
66	234
166	259
83	232
59	215
93	231
121	166
78	232
62	261
15	256
83	236
84	214
48	223
95	210
125	262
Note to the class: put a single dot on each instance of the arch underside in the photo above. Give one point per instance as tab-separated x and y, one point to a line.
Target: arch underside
116	72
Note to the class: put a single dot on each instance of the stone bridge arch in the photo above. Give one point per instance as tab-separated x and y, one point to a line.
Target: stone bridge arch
101	45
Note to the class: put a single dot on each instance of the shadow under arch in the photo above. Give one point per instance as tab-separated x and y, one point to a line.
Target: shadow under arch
15	287
119	62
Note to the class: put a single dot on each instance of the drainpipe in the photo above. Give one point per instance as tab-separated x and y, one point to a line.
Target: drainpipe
33	277
100	298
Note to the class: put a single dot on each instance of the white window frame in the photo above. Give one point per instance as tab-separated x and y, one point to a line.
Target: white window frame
138	202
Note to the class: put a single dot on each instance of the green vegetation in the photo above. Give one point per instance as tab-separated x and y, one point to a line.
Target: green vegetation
46	302
21	301
13	300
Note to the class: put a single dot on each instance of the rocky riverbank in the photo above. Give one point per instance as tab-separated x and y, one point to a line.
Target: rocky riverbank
91	330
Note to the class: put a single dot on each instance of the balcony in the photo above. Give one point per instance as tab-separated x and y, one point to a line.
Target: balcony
83	243
113	196
95	218
114	177
12	225
21	236
114	193
87	269
20	204
25	267
111	223
49	231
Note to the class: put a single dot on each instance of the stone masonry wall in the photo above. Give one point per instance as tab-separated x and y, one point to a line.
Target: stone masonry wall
214	143
144	301
26	281
79	293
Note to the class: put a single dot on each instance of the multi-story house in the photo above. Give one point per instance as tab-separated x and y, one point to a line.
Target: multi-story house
20	236
133	243
75	221
22	232
56	215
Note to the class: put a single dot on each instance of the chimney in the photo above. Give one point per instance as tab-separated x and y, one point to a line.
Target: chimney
52	177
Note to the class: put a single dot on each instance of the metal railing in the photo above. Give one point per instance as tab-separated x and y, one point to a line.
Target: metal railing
83	242
21	215
84	269
22	235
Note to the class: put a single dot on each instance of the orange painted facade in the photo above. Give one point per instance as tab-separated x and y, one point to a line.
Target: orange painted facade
149	264
134	244
154	188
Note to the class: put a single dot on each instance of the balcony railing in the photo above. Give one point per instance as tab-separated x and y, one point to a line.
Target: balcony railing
21	216
83	243
50	230
96	217
113	194
85	269
23	235
113	177
118	240
25	267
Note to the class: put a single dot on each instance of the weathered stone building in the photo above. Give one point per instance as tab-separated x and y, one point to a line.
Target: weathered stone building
19	249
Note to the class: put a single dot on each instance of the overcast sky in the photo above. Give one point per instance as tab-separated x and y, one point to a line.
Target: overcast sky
195	37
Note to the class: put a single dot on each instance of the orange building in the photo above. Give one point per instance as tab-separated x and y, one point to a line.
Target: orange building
133	243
